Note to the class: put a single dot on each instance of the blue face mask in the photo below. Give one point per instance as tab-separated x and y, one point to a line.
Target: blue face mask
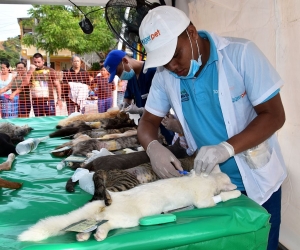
194	65
127	75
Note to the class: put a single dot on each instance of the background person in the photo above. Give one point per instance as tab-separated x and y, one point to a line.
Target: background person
122	85
43	81
138	83
226	87
103	89
6	76
5	79
77	75
19	86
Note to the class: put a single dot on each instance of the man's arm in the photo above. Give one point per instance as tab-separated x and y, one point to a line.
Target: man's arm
58	87
163	162
26	79
148	128
270	118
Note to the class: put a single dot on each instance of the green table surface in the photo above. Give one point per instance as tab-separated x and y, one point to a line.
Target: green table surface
235	224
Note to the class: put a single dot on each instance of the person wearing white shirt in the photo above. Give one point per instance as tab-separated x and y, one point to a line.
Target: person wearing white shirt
225	94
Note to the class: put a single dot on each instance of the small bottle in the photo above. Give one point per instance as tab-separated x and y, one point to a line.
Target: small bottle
29	145
60	165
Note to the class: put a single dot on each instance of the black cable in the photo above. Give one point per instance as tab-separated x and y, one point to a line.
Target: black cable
83	12
77	7
94	10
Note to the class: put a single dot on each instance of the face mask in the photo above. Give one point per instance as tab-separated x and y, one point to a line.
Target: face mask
194	65
127	75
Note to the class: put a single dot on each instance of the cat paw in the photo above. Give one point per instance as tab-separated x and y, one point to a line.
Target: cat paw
83	236
100	235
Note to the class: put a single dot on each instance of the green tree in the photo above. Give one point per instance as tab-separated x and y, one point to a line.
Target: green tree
56	27
11	52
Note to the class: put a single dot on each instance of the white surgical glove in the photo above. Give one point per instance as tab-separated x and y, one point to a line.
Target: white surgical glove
133	109
209	156
171	123
163	162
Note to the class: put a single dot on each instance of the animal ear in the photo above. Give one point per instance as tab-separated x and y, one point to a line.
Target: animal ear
216	169
229	187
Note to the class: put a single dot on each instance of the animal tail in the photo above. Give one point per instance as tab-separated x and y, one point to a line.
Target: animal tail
54	225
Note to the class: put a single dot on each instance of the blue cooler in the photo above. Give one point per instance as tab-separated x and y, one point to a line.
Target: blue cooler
9	108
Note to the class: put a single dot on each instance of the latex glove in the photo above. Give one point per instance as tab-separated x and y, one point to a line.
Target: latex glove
171	123
133	109
163	162
123	106
209	156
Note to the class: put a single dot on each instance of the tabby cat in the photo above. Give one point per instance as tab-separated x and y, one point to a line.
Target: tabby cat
143	172
117	180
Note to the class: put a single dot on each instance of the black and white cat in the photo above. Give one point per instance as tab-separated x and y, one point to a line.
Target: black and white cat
144	200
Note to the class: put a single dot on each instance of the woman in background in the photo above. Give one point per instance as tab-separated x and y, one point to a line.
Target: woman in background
19	85
104	90
5	77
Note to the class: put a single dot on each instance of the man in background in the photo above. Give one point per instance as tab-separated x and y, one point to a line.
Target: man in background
43	81
74	75
138	83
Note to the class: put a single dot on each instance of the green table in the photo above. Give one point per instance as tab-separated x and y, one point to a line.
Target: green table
235	224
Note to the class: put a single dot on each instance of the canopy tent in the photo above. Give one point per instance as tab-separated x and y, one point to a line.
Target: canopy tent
274	27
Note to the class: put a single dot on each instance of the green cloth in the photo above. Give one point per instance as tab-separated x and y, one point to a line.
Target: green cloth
235	224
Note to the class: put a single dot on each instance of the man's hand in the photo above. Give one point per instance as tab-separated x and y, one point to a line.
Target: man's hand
163	162
133	109
171	123
209	156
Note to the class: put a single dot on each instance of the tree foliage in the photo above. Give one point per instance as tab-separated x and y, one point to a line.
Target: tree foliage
56	27
12	49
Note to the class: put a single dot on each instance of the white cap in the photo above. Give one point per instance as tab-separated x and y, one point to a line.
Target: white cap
159	32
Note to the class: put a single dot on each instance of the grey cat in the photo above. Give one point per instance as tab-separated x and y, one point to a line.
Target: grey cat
16	133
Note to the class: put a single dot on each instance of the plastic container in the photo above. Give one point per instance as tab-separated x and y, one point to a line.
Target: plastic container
258	156
9	108
29	145
96	154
